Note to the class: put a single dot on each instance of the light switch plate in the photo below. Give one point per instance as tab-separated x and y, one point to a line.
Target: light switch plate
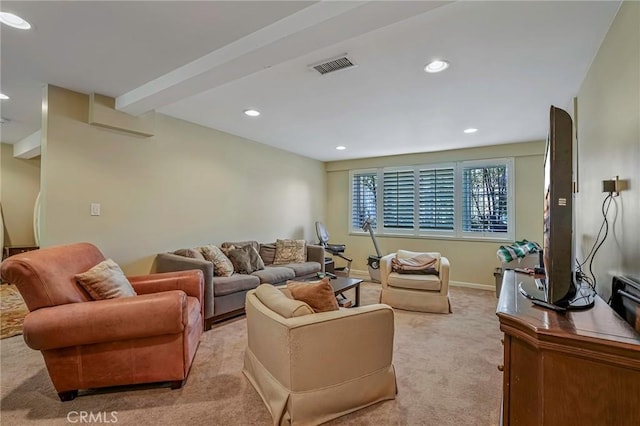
95	209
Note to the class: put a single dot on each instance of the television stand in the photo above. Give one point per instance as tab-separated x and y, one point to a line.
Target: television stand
533	289
566	368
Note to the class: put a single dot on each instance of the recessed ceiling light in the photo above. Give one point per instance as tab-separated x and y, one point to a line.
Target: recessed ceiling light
3	96
470	130
14	21
436	66
341	148
252	112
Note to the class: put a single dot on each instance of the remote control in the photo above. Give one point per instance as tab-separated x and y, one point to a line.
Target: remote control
524	270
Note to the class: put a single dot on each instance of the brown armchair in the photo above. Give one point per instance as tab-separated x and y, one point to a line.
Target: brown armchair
151	337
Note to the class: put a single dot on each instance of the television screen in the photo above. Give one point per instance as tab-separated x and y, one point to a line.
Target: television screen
558	209
560	288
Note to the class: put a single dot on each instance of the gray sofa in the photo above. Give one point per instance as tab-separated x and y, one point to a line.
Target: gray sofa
224	297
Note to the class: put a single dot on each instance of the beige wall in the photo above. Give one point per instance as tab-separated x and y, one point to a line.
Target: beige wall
471	261
186	186
19	186
609	144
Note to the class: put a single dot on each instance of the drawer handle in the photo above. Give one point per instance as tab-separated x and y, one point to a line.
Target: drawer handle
501	367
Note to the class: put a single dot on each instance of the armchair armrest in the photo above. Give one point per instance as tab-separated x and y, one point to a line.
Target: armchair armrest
444	275
385	268
169	262
108	320
315	253
191	282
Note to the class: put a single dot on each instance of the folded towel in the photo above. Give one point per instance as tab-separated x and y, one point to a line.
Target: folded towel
517	250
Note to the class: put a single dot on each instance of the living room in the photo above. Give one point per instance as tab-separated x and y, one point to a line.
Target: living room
190	185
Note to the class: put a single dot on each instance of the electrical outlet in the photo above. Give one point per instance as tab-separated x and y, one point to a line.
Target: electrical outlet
95	209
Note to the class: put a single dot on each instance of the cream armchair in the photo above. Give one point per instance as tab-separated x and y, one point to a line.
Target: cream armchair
312	367
423	293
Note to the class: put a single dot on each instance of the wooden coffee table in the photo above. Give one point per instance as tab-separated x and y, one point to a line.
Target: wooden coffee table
339	285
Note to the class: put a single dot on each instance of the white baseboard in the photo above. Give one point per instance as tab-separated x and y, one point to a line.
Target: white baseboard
364	275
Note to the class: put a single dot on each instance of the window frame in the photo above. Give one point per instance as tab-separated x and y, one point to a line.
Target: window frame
457	232
352	174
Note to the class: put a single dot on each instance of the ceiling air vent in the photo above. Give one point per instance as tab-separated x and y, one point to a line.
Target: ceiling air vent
334	64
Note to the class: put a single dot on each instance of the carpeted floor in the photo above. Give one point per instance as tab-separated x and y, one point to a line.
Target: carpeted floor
12	311
445	366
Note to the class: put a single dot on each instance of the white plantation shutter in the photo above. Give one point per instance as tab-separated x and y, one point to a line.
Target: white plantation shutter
485	199
437	209
466	199
363	198
398	199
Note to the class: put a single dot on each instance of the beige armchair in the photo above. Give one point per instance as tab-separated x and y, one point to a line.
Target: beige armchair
310	367
423	293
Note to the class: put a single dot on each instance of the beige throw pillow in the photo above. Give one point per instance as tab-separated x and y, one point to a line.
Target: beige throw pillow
318	295
290	251
222	266
106	281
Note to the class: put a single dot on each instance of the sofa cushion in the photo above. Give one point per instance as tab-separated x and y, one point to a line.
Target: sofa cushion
233	284
268	253
274	274
319	295
414	282
106	281
304	268
276	301
222	266
290	251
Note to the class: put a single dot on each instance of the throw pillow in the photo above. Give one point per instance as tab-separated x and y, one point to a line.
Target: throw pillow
106	281
290	251
318	295
222	266
190	253
268	253
254	258
241	260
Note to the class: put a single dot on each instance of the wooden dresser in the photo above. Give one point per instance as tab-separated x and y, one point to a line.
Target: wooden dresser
574	368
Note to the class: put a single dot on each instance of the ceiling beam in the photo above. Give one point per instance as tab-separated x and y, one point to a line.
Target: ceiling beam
28	147
297	34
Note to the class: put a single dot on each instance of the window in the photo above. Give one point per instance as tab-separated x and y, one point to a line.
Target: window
471	199
484	199
437	209
397	199
363	198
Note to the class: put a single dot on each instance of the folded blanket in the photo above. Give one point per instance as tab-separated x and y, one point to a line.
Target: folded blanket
420	264
517	250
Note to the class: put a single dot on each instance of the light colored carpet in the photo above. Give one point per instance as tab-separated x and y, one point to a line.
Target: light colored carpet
445	366
12	311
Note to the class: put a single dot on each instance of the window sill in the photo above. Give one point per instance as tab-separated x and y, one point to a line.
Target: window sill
437	237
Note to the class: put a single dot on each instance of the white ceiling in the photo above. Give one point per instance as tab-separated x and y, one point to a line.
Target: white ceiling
206	62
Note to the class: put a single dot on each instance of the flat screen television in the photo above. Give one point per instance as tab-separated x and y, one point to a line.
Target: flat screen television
560	288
